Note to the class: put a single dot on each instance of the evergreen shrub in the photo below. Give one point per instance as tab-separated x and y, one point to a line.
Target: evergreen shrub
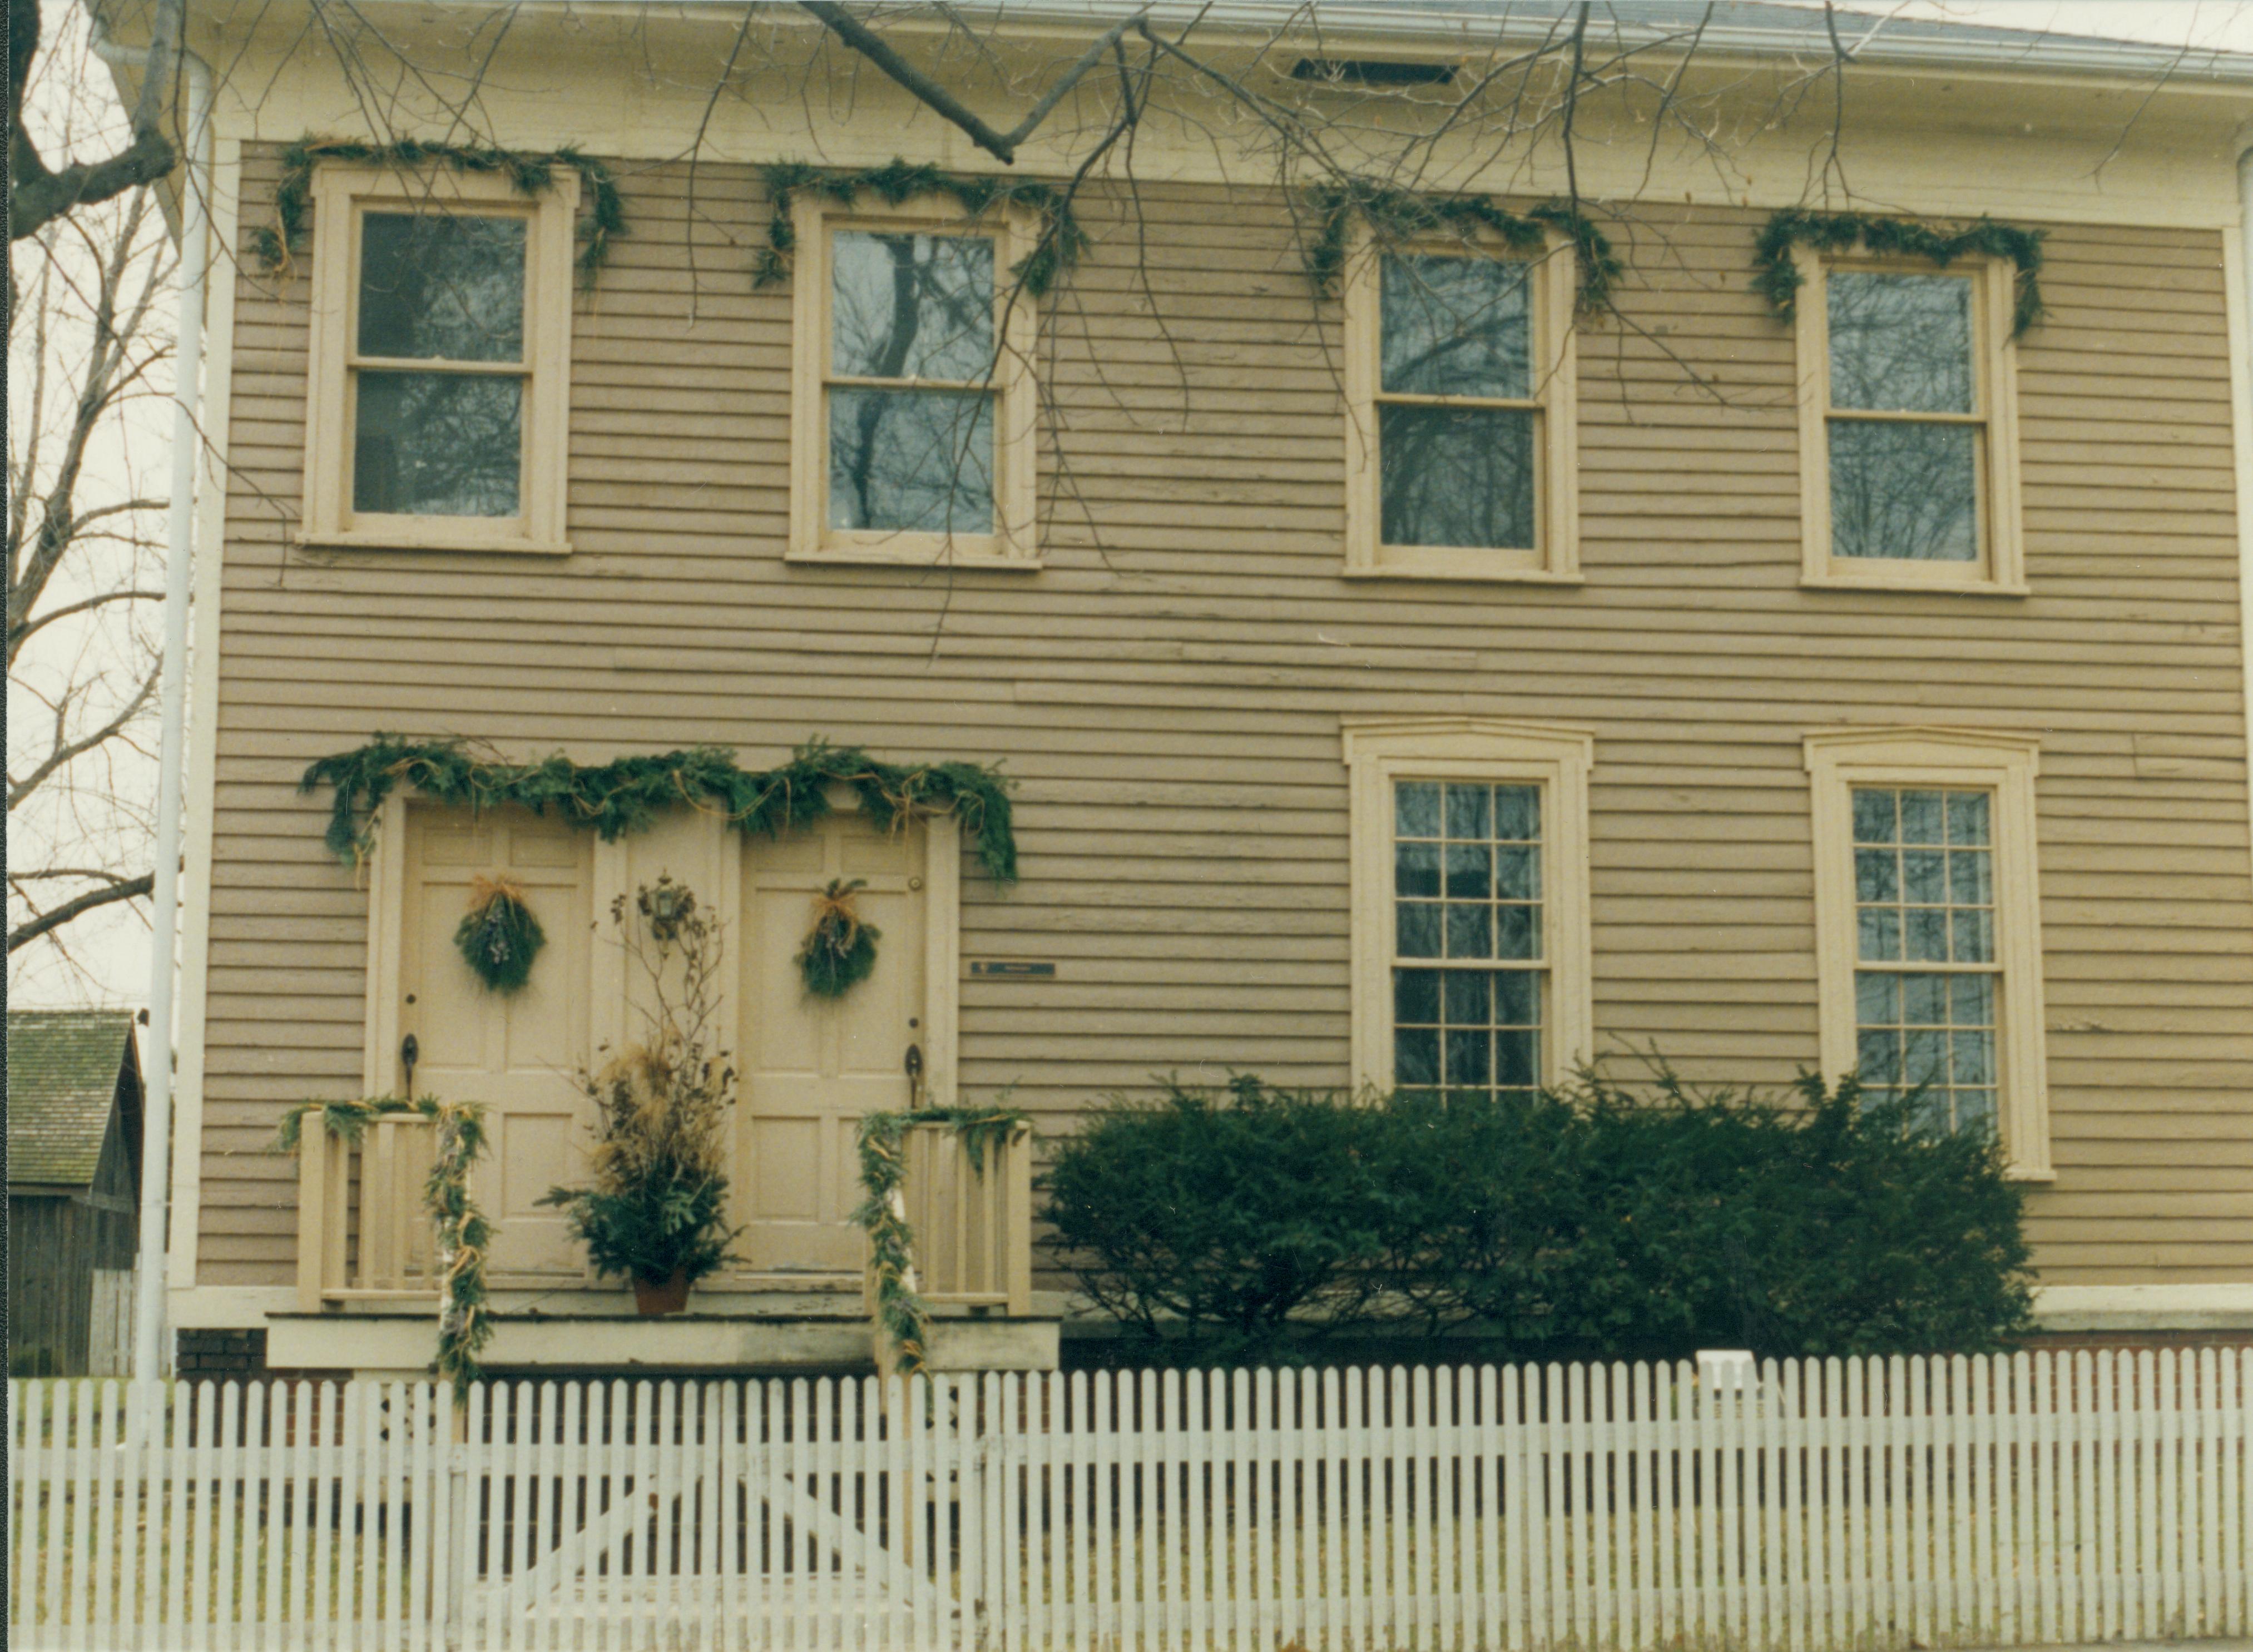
1596	1221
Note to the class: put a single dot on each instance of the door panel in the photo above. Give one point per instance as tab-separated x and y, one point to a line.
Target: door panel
517	1053
813	1067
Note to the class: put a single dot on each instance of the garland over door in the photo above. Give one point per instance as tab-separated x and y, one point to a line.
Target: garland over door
517	1053
814	1066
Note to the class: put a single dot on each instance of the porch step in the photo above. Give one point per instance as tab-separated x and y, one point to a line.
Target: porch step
392	1339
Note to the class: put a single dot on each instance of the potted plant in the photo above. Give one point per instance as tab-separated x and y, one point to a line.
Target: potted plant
654	1207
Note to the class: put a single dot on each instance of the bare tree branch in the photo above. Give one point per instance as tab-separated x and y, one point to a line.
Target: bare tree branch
78	906
37	196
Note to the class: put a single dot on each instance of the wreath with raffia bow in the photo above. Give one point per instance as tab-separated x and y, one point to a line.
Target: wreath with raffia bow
841	949
499	937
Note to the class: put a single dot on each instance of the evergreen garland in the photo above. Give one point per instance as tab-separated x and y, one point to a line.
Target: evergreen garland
901	1311
530	173
1061	243
464	1234
1777	277
499	937
1398	215
839	951
631	793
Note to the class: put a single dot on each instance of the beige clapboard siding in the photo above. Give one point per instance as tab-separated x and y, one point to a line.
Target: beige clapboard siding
1167	690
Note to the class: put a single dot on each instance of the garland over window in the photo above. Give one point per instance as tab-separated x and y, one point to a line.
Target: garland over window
1062	241
901	1310
464	1234
1398	215
605	220
1778	277
629	794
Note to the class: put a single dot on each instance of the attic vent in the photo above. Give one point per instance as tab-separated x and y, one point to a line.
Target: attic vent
1373	71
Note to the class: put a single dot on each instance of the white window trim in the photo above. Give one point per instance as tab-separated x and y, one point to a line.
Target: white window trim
2005	764
340	195
1379	750
1014	544
1556	560
1999	569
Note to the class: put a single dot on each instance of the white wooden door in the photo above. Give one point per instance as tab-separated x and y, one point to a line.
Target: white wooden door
516	1053
813	1067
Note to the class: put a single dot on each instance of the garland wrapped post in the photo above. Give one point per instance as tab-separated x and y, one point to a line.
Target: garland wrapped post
1061	240
498	937
1398	215
1777	276
841	950
901	1313
604	221
463	1234
631	794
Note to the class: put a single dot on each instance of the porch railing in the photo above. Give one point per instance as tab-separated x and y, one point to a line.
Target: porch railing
972	1221
368	1236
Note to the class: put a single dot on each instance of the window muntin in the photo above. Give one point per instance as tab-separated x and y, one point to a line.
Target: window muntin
1457	424
1468	946
437	366
1903	424
910	383
1926	958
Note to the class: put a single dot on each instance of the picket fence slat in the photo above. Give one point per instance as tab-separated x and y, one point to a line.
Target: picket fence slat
1820	1506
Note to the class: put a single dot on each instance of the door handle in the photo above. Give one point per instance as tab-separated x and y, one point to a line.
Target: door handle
409	1053
914	1064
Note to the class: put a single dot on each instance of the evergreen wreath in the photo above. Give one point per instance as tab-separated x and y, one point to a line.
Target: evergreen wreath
901	1311
1777	277
841	950
464	1234
499	937
1062	241
606	219
631	793
1398	215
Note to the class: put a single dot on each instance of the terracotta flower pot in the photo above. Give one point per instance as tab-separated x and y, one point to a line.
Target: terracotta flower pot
669	1298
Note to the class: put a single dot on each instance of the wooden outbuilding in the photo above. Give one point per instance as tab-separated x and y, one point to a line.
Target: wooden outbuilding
74	1113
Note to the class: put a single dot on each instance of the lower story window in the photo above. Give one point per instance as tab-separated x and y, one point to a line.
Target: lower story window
1929	927
1925	1002
1470	928
1468	953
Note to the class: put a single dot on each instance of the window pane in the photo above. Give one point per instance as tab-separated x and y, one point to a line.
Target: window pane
1874	820
1967	818
1416	870
921	460
1517	813
1902	344
1416	997
1416	928
911	306
1416	809
1906	491
1456	476
438	444
447	287
1456	327
1470	872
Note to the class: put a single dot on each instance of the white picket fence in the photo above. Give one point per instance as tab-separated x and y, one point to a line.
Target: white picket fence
1856	1504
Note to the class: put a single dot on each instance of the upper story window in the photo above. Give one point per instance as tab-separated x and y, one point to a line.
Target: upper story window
440	360
1908	448
912	434
1461	413
1929	927
1470	904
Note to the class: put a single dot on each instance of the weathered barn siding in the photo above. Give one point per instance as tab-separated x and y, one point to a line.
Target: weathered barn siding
57	1239
1167	690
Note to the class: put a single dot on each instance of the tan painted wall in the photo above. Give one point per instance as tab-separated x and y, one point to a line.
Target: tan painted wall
1168	692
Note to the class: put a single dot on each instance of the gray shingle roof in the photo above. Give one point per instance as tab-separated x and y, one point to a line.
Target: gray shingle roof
62	1080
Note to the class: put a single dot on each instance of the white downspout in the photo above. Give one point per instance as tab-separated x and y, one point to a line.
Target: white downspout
2243	417
150	1358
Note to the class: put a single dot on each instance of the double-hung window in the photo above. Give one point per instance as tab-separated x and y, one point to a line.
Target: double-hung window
1461	413
912	437
1929	927
440	357
1907	429
1470	905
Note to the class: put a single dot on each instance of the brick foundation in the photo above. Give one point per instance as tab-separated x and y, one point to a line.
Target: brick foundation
220	1354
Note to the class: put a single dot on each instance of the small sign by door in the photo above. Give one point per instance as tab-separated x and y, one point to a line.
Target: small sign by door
1013	969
